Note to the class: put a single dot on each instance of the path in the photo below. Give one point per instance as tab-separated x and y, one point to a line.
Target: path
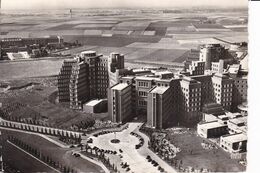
135	158
33	157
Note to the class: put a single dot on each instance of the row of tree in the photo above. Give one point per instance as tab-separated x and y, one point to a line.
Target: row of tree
100	155
155	147
62	134
41	156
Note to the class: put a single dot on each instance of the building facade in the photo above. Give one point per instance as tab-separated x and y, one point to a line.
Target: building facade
159	104
211	53
64	80
83	79
223	90
120	106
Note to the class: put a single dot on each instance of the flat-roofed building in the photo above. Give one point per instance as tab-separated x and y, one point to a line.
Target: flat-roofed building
87	78
213	108
223	90
64	80
213	129
237	125
142	85
243	108
95	106
78	86
190	101
159	106
196	68
234	143
115	68
240	89
211	53
120	106
217	67
207	92
97	73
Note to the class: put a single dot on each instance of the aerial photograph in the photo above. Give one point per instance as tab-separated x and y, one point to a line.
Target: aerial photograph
123	86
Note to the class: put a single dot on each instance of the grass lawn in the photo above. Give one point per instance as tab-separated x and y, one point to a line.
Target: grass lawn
38	102
62	155
22	161
216	160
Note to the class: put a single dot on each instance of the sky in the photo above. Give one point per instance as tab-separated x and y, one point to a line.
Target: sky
58	4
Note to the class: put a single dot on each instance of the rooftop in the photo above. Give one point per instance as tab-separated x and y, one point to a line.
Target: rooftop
221	75
211	125
93	102
120	86
235	138
145	78
239	120
159	90
128	77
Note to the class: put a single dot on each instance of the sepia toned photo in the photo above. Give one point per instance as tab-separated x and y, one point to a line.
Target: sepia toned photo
123	86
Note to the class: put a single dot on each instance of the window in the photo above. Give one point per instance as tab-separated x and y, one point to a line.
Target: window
142	103
143	84
142	93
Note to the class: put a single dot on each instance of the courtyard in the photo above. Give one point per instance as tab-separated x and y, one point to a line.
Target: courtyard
193	155
126	147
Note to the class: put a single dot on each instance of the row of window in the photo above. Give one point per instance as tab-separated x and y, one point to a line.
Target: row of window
143	84
142	103
142	94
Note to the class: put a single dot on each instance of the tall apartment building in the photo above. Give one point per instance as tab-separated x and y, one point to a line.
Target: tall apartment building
190	101
223	90
207	91
83	79
212	53
120	106
97	74
115	68
78	85
240	88
64	80
186	96
159	103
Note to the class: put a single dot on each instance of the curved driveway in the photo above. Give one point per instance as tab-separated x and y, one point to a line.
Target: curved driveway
135	158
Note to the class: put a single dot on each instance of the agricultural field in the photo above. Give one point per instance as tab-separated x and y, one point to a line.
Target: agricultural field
130	32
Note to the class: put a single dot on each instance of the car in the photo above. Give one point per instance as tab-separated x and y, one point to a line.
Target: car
80	145
76	155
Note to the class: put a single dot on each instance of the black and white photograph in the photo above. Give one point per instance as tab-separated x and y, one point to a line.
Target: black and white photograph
124	86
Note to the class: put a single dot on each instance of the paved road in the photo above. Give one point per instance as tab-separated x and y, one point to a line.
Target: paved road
135	158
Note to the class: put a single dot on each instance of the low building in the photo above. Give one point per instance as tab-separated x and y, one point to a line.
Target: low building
95	106
237	125
18	56
196	68
235	143
212	129
243	108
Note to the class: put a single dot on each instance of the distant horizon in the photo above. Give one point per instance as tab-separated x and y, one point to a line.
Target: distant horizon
124	4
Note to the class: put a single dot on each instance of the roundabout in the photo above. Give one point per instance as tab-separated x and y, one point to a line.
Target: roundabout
124	143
